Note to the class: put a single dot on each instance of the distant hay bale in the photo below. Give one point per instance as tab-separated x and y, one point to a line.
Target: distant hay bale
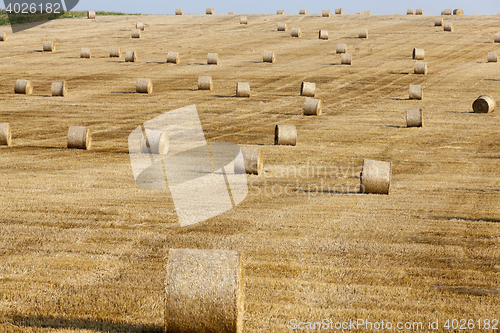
325	13
280	12
79	137
307	89
49	46
363	33
3	36
243	20
341	48
144	86
268	57
414	118
303	12
345	59
323	34
179	11
213	59
205	83
419	11
296	32
243	89
448	26
59	89
209	11
483	104
438	22
85	53
231	13
312	107
140	26
416	91
173	57
130	56
155	142
339	11
367	12
458	11
115	52
410	12
448	11
285	135
442	12
418	54
492	57
23	87
91	14
281	26
204	291
420	68
5	134
497	38
375	177
252	161
136	33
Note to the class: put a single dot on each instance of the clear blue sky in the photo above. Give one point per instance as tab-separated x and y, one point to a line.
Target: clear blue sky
431	7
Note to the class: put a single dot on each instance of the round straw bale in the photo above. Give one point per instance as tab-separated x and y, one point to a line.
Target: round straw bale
91	14
416	91
280	12
205	83
419	11
442	12
303	12
130	56
448	11
212	59
341	48
231	13
339	11
5	134
296	32
23	87
448	26
136	33
3	36
410	12
323	34
325	13
492	57
79	137
252	161
115	52
345	59
363	33
204	291
285	135
59	89
414	118
497	38
312	107
144	86
418	54
484	104
209	11
281	26
179	11
367	12
420	68
307	89
268	57
85	53
375	177
438	22
140	26
243	89
173	57
49	46
243	20
458	11
155	142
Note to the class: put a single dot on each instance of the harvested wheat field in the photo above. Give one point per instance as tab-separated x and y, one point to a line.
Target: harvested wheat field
84	249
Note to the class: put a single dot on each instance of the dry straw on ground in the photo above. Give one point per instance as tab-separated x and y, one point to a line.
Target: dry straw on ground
419	11
79	137
3	36
438	22
59	89
23	87
484	104
281	26
375	177
325	13
136	33
5	134
144	86
414	118
303	12
173	57
312	107
296	32
243	20
416	91
85	53
339	11
285	135
410	12
205	83
420	68
492	57
323	34
448	26
268	57
209	11
418	54
363	33
341	48
130	56
252	163
49	46
345	59
213	59
243	89
115	52
307	89
155	142
91	14
179	11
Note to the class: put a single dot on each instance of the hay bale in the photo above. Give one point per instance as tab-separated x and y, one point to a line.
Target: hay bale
303	12
438	22
173	57
231	13
492	57
281	26
5	134
209	11
49	46
367	12
296	32
3	36
130	56
280	12
419	11
23	87
243	89
91	14
414	118
59	89
204	291
483	104
363	33
442	12
179	11
155	142
416	91
448	11
285	135
345	59
339	11
252	161
458	11
144	86
448	26
418	54
323	34
312	107
410	12
85	53
205	83
79	137
325	13
496	38
243	20
139	25
136	33
420	68
115	52
307	89
341	48
375	177
268	57
212	59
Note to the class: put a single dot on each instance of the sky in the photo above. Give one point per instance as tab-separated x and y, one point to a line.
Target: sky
431	7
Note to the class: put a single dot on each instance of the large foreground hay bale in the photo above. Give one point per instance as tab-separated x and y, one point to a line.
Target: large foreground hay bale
339	11
345	59
139	25
323	34
252	161
115	52
59	89
144	86
410	12
285	135
243	89
325	13
5	134
281	26
268	57
23	87
303	12
458	11
363	33
243	20
438	22
130	56
307	89
492	57
296	32
448	26
420	68
416	91
341	48
312	107
91	14
136	33
419	11
49	46
375	177
173	57
205	83
179	11
3	36
155	142
209	11
414	118
79	137
418	54
280	12
483	104
85	53
212	59
496	38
